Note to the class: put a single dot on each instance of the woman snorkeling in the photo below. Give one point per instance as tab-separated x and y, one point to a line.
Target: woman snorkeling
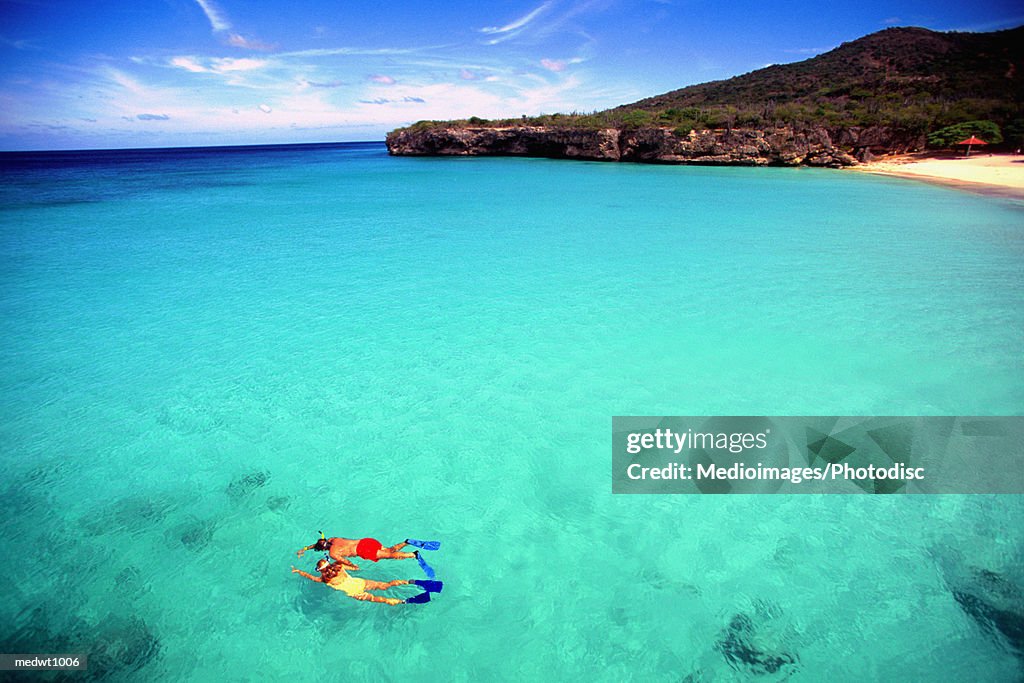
333	574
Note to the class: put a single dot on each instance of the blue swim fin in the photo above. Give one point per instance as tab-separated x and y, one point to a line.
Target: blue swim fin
425	545
419	599
430	586
424	566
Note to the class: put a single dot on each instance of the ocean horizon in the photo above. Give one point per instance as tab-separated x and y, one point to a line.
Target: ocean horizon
177	148
210	354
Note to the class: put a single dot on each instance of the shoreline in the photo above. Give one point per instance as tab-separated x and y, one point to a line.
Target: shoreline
994	175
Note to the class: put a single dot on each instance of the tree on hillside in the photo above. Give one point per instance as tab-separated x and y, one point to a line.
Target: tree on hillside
1015	133
637	118
950	135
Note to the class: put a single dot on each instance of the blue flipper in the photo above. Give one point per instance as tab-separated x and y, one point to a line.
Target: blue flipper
427	569
425	545
419	599
430	586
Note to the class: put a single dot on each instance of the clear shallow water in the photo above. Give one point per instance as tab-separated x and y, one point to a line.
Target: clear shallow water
209	355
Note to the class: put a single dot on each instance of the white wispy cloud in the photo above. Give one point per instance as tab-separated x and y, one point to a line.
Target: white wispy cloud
213	14
518	23
188	64
353	51
809	50
558	65
238	40
306	83
220	24
217	65
17	44
514	28
125	81
228	64
383	100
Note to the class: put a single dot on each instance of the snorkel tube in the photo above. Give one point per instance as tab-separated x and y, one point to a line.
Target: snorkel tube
321	544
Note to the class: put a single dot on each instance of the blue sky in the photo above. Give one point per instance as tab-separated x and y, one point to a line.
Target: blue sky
205	72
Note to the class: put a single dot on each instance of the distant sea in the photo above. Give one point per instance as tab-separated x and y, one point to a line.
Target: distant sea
208	355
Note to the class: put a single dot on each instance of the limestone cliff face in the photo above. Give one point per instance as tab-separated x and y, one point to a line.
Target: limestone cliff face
534	141
741	147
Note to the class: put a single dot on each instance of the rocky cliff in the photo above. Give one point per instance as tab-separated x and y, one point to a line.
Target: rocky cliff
742	147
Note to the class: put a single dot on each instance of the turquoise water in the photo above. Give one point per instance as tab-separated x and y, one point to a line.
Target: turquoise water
207	356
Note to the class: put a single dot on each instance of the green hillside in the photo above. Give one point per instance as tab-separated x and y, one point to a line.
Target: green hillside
910	78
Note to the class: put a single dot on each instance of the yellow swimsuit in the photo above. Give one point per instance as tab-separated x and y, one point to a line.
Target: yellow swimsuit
350	585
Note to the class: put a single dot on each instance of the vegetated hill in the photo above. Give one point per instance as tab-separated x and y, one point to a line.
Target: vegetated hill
910	78
880	93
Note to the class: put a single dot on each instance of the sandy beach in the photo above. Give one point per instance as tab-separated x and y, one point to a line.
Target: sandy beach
1000	174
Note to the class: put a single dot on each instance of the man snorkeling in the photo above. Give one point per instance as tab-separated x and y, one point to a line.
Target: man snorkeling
333	574
368	549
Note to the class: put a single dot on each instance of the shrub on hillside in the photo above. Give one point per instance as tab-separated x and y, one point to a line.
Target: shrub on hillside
947	137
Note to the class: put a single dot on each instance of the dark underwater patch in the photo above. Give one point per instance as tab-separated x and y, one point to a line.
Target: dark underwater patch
117	647
129	579
195	534
997	605
278	503
133	514
740	646
241	487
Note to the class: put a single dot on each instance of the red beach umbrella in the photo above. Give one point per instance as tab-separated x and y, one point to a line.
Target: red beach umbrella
971	141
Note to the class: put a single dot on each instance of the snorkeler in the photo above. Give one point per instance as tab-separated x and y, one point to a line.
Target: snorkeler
370	549
335	576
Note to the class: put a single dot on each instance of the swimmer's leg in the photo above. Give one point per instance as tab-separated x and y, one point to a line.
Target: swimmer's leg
382	586
393	554
366	597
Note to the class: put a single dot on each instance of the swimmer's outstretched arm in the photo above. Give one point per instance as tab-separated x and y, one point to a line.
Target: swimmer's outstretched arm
307	575
308	547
